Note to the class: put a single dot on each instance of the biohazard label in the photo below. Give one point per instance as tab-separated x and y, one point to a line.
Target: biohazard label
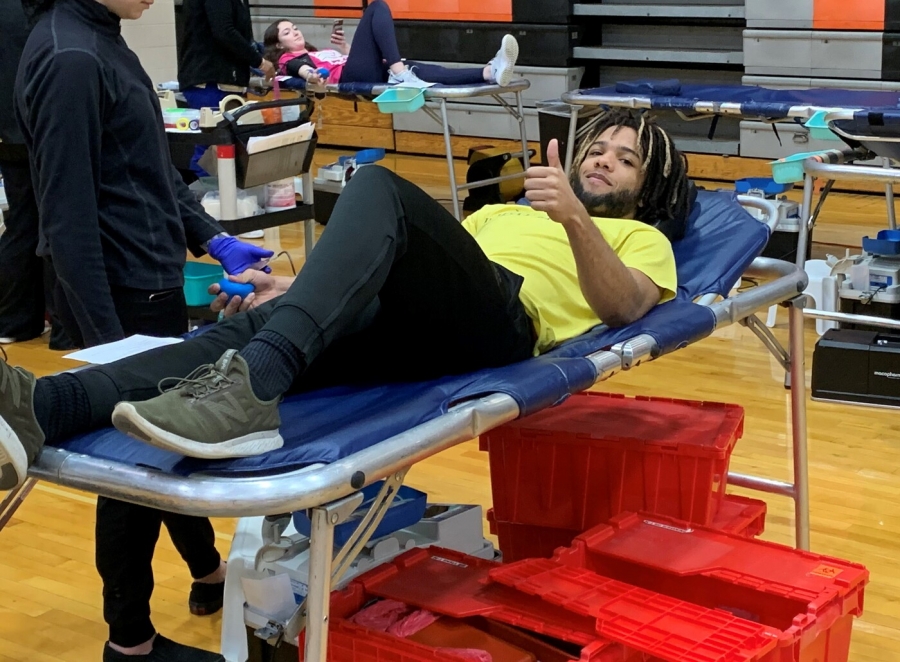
828	571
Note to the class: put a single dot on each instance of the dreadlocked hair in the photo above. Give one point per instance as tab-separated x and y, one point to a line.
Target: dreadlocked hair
664	199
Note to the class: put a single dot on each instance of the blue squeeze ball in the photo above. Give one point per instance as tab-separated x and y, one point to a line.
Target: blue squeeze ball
322	71
233	289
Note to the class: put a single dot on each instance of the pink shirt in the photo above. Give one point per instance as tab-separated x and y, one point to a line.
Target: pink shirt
329	59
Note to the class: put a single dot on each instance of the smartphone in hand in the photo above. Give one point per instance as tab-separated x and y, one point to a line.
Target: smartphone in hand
337	34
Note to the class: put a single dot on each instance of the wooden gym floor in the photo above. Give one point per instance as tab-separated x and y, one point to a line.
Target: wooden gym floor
50	607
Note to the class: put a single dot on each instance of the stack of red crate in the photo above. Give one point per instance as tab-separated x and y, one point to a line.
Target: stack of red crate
639	588
563	470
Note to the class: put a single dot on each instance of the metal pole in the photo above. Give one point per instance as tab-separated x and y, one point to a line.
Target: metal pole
309	225
454	192
570	141
889	198
798	423
321	550
227	182
523	133
851	318
805	214
760	484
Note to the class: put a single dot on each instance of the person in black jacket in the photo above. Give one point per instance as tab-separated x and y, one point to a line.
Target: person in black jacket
116	221
216	54
26	280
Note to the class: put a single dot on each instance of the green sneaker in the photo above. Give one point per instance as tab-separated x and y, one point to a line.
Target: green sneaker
21	438
212	413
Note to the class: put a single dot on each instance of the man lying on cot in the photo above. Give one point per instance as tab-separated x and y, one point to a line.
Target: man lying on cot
395	290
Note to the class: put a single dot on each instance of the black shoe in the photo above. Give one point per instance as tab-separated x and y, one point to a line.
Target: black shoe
59	339
164	650
206	599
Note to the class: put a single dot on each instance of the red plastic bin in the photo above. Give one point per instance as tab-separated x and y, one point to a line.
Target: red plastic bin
451	584
700	595
526	541
739	515
597	455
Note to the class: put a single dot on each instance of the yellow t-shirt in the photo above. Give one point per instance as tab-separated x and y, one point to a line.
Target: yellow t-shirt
530	244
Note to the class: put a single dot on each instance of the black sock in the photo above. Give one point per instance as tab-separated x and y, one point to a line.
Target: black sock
61	406
274	364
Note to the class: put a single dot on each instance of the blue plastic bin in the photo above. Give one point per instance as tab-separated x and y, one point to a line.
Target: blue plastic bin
765	184
790	169
400	100
818	127
372	155
407	509
198	276
886	242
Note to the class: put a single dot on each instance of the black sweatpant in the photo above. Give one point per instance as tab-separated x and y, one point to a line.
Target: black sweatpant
374	50
126	534
26	280
395	290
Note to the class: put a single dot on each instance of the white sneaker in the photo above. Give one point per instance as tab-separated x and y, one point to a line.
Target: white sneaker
253	234
504	61
407	78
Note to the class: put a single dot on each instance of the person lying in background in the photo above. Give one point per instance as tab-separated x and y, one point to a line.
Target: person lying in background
374	56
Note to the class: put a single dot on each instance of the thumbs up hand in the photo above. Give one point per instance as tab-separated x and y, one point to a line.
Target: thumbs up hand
548	189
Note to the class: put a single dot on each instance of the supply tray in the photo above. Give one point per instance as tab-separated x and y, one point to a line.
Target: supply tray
886	242
255	169
252	169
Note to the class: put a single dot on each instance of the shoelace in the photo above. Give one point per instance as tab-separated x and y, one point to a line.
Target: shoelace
204	380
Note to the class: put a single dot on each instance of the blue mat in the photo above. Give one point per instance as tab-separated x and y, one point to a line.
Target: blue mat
721	241
755	101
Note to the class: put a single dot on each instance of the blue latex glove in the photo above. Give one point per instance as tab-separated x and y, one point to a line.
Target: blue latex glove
236	257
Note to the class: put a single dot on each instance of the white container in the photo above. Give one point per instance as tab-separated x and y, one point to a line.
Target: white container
859	276
280	195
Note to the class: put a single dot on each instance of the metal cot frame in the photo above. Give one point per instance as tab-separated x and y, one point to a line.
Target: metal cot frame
331	492
436	99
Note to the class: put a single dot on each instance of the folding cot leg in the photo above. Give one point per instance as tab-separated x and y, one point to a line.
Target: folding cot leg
806	218
798	422
325	569
14	499
309	225
321	549
523	132
794	361
448	146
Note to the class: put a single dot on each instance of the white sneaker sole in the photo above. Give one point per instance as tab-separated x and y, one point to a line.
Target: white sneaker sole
12	456
126	419
508	55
